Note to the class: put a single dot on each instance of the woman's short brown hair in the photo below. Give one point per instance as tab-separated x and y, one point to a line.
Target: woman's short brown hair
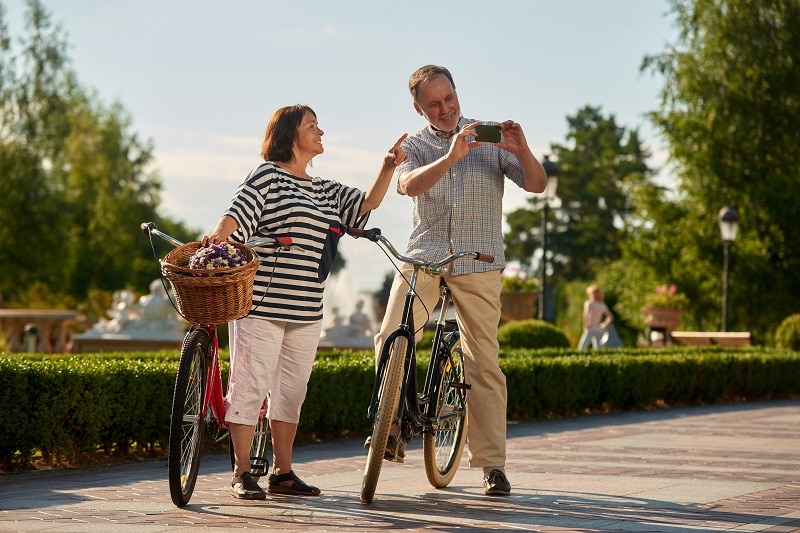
281	132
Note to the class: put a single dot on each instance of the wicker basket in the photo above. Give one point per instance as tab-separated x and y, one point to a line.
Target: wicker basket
210	296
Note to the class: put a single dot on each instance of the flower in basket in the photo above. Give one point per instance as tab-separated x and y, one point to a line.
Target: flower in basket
217	256
666	296
518	282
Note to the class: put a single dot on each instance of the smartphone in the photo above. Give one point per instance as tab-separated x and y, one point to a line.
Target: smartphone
487	134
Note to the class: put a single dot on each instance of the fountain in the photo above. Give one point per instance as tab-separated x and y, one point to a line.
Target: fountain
151	323
348	318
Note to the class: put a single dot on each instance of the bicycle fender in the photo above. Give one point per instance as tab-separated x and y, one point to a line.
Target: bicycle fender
451	338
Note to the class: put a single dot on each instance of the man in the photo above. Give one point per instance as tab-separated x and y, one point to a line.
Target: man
457	183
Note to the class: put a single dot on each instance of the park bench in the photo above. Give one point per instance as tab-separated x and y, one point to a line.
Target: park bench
712	338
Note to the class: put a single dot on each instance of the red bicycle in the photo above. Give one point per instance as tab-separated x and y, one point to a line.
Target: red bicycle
198	406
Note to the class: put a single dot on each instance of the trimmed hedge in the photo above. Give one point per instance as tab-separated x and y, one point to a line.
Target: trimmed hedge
788	333
559	385
531	333
60	405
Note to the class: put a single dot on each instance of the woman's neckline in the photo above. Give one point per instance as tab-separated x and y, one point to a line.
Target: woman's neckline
286	168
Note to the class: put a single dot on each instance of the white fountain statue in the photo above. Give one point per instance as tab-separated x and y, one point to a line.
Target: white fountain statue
149	323
347	321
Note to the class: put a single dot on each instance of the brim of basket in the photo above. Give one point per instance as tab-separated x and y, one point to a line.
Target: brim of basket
178	260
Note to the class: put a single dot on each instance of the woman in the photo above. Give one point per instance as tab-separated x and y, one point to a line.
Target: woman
597	318
273	347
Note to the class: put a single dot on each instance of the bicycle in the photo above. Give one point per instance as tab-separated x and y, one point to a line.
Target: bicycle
198	407
439	410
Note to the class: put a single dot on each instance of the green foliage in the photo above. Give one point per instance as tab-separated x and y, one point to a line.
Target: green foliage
426	342
519	283
640	379
788	333
729	113
59	405
63	405
65	156
596	170
530	334
666	296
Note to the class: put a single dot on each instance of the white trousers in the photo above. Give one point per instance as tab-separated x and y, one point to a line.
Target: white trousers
269	356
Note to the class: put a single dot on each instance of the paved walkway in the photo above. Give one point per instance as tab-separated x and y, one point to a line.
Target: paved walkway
700	469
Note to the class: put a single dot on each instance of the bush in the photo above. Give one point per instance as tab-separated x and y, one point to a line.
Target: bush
788	333
531	334
59	406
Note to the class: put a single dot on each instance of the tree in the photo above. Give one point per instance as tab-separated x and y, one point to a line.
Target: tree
729	112
75	177
596	173
35	247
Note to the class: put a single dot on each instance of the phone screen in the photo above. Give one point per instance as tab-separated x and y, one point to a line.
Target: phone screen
486	133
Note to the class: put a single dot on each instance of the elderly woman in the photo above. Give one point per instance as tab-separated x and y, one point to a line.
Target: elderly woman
273	347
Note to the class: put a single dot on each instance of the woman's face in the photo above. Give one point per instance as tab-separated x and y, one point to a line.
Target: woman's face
309	136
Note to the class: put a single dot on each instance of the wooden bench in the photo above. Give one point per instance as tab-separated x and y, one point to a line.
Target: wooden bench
712	338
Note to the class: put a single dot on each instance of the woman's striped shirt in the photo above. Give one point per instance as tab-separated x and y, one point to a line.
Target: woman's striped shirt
314	213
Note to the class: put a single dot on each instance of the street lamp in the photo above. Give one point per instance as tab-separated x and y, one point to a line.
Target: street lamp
728	227
551	169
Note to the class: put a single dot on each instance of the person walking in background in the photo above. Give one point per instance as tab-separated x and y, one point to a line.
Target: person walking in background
273	347
457	184
597	320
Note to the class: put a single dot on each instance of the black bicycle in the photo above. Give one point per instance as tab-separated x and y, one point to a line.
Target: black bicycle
439	411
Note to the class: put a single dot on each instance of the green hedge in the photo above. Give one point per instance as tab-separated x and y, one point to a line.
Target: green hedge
60	405
560	385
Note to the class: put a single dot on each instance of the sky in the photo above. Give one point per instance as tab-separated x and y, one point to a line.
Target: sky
200	80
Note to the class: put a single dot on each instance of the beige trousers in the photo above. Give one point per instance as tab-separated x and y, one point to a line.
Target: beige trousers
477	303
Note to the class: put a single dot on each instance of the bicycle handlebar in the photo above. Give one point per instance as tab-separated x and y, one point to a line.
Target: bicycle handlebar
283	242
374	235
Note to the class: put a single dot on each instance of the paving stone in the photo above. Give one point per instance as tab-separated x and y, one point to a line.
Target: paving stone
733	467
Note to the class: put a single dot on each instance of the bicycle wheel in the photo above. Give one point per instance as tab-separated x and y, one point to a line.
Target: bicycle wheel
388	401
443	444
187	425
259	458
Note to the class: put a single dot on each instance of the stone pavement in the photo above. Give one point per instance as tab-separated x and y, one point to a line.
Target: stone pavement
732	467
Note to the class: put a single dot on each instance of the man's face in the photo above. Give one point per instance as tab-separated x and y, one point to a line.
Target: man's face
437	101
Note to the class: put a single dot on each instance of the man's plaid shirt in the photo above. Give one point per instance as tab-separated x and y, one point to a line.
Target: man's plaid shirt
464	209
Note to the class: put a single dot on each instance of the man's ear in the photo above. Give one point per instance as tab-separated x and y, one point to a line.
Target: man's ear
417	109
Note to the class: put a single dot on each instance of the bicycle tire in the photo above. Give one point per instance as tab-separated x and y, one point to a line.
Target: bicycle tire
443	444
388	402
259	459
187	424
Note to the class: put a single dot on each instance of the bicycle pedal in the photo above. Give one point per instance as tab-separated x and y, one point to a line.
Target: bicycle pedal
465	386
259	466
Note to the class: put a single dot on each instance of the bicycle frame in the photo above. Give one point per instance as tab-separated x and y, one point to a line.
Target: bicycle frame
214	401
416	408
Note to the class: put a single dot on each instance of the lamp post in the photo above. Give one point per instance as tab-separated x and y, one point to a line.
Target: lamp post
728	227
551	169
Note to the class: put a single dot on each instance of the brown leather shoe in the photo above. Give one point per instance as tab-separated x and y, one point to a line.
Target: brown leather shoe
495	483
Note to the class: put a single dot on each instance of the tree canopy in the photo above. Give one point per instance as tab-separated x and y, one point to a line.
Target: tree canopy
75	181
596	171
730	111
